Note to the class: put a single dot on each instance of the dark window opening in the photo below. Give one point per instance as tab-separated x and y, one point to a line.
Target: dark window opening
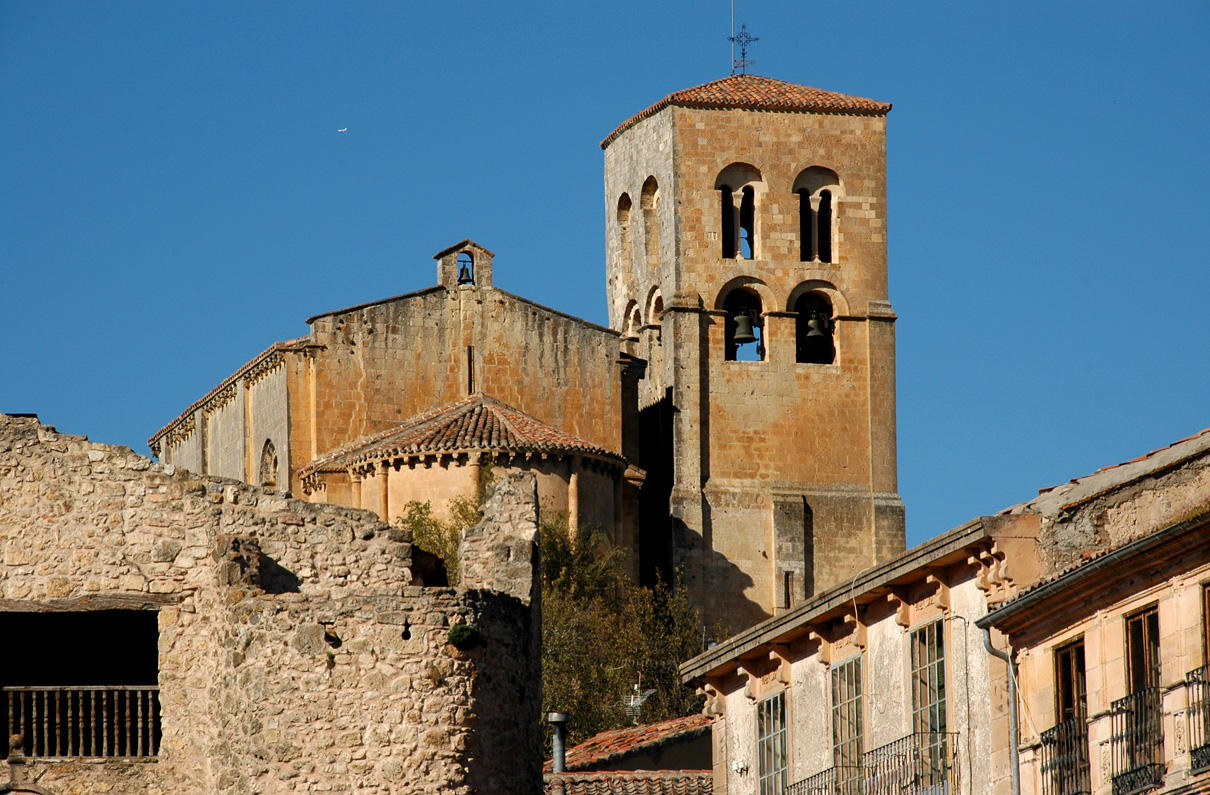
823	227
1137	739
816	210
813	330
747	224
728	221
743	327
1065	763
81	684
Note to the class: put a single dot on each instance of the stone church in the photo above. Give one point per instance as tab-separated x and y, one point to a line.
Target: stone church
736	421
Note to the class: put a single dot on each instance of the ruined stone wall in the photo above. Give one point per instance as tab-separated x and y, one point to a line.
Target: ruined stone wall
294	653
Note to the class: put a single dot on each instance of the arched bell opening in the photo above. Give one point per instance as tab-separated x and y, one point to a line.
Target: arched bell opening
744	336
814	330
466	268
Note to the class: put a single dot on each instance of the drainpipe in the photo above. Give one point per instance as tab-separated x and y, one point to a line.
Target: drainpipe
1013	754
558	722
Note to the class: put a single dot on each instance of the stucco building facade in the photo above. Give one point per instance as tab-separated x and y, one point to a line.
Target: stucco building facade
1095	592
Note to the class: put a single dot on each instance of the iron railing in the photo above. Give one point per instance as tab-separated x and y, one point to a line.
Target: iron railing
1197	682
1065	768
85	721
1137	742
839	780
924	763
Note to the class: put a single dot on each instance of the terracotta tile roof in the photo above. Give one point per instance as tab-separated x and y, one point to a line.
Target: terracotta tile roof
753	92
631	782
618	743
477	423
1080	490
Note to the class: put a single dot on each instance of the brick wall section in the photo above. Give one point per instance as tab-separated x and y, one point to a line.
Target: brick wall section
336	677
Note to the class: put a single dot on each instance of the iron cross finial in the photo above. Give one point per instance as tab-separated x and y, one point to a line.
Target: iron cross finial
743	39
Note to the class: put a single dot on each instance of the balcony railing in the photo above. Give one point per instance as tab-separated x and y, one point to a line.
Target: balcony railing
91	721
1197	682
1065	769
922	763
1137	742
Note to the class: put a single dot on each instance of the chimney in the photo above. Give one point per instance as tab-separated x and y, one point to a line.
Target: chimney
558	723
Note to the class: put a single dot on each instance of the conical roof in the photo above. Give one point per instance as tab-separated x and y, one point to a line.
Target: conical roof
477	424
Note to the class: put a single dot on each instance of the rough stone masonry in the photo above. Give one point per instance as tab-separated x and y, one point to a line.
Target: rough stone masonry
296	651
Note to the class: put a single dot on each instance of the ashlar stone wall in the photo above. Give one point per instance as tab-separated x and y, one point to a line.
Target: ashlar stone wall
295	654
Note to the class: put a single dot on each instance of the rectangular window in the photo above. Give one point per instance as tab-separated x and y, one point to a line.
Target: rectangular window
933	748
84	684
1197	682
847	735
771	744
1065	768
1137	739
928	678
1206	623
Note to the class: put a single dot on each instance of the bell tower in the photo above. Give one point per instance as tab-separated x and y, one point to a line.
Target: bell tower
747	266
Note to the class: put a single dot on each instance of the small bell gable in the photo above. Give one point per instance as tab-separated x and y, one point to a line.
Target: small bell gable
464	263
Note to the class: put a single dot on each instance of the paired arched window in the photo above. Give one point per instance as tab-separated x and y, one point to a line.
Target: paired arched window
813	330
743	327
737	187
649	201
816	188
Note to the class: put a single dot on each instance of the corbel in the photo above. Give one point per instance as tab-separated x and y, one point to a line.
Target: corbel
820	635
941	596
751	681
779	655
898	597
716	701
859	627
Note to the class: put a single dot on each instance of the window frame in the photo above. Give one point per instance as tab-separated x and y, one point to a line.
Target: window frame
773	768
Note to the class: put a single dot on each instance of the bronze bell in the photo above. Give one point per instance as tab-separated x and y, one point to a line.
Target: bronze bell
817	326
464	274
743	329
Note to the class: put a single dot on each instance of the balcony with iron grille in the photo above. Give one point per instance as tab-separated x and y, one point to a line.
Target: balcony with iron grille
1197	682
115	722
924	763
1065	766
1137	742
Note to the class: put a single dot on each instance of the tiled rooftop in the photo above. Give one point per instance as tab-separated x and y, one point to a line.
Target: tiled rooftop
617	743
477	423
752	92
631	782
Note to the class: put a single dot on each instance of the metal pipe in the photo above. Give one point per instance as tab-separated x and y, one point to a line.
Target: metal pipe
1013	753
558	723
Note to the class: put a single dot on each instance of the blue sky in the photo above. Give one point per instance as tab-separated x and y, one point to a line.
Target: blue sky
177	196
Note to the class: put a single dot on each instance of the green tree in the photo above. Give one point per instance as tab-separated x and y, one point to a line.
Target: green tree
602	635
